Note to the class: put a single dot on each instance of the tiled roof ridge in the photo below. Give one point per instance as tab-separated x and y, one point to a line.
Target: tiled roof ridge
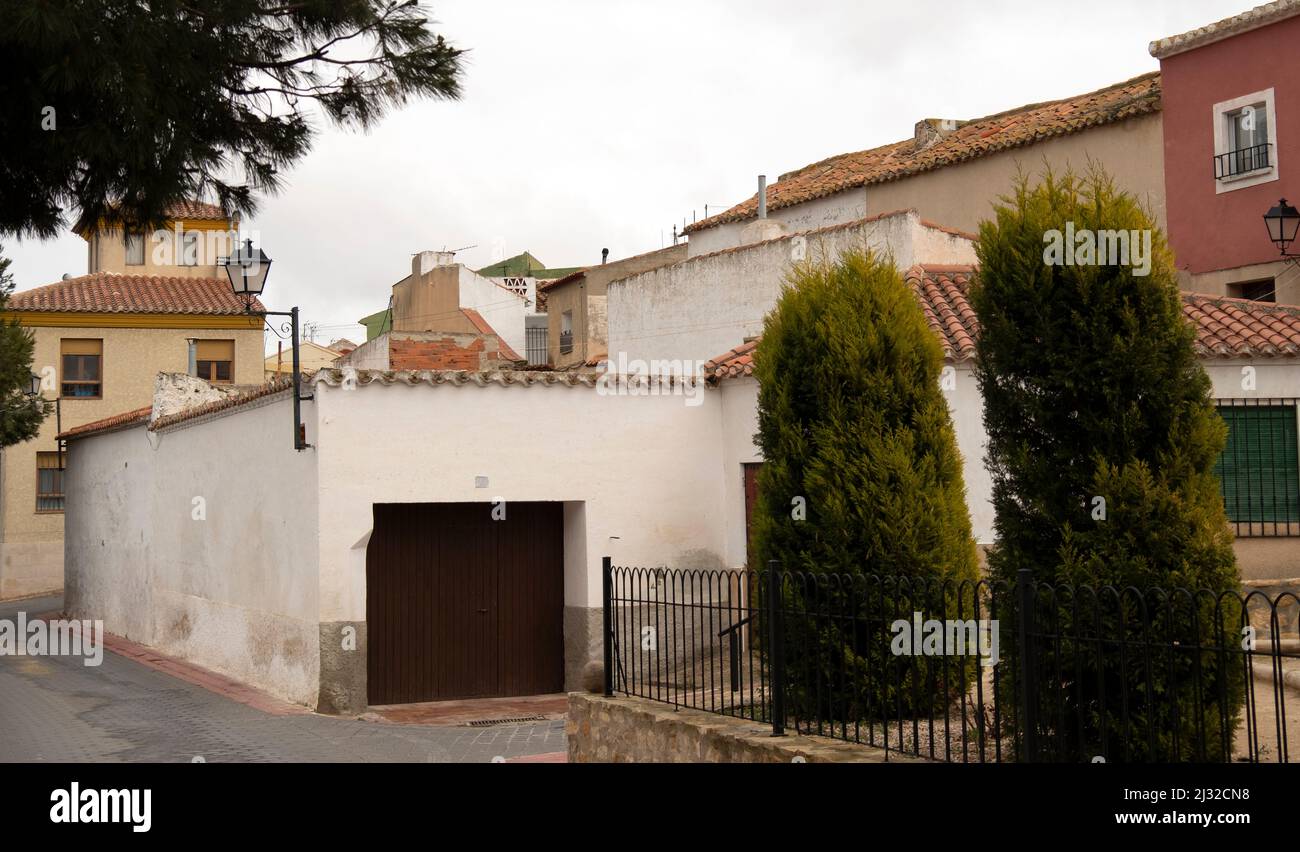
108	424
335	377
897	160
1226	28
26	301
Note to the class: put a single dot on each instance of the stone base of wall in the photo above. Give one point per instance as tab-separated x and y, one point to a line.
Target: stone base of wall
632	730
343	670
584	650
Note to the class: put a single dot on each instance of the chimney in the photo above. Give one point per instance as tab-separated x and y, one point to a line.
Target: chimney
762	228
604	256
424	261
931	130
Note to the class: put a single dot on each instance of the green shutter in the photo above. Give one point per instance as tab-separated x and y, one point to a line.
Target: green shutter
1260	465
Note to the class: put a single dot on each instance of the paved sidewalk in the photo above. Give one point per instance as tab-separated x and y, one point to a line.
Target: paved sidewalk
55	709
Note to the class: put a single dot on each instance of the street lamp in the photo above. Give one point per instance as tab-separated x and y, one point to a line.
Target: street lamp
247	270
1283	221
33	392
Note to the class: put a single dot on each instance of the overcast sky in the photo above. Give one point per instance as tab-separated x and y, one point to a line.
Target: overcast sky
588	124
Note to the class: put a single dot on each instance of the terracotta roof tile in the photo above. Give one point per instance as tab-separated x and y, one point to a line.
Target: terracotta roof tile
1015	128
114	293
191	209
1225	328
108	424
484	328
1240	328
481	378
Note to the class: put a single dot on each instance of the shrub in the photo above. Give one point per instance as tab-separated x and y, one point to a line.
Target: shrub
1102	440
861	476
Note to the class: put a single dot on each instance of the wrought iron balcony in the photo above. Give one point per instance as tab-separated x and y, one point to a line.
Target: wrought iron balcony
1242	161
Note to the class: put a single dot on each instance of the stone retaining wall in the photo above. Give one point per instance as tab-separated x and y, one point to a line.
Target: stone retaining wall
633	730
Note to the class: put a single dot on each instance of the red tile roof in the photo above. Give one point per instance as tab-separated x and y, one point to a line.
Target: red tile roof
484	328
113	293
733	363
1225	328
980	137
191	209
108	424
245	395
1240	328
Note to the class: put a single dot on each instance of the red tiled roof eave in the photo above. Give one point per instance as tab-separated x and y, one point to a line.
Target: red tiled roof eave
115	293
1225	327
107	424
1014	128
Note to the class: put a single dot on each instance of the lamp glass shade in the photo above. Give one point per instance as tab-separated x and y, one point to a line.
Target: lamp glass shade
35	387
1283	222
247	270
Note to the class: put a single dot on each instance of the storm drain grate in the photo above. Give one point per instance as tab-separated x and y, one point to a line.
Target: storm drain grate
513	720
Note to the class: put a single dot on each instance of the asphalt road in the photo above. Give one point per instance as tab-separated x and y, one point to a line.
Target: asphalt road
56	709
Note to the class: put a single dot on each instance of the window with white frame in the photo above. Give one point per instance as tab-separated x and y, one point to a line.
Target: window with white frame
1245	141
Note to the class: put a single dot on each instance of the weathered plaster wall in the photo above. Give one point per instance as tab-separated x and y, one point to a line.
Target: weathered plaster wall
31	552
702	307
201	541
639	477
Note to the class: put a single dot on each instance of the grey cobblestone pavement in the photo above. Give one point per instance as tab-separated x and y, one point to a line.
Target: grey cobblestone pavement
55	709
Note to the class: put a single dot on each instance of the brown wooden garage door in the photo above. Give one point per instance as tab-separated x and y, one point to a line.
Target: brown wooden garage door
459	605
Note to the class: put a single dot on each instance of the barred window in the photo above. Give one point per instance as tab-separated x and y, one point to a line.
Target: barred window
1259	469
49	483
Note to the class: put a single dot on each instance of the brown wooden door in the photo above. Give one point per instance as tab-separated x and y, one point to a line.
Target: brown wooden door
459	605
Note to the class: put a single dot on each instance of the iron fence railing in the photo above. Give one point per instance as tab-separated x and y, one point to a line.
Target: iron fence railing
1259	469
1241	161
964	672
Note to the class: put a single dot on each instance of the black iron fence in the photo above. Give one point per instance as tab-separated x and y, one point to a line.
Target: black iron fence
1242	161
965	672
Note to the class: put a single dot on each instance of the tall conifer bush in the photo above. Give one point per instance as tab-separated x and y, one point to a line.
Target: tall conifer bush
861	475
1102	439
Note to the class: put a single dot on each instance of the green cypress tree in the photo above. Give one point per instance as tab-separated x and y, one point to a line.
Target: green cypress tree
1102	440
861	476
20	415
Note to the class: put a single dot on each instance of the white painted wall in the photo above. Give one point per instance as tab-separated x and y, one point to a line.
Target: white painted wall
503	310
739	398
641	474
236	592
837	209
704	306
